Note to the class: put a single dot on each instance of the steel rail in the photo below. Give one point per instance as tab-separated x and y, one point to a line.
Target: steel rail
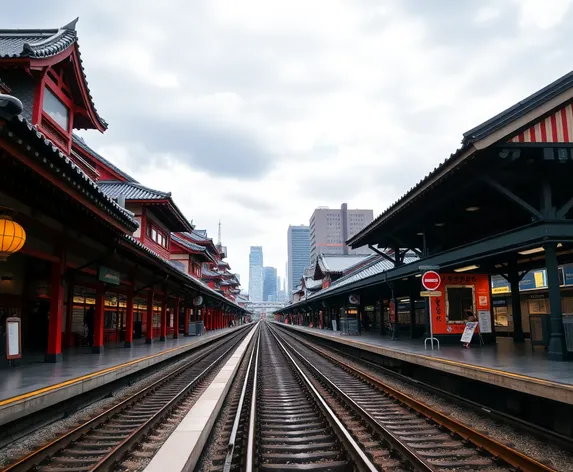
252	422
360	458
405	451
498	450
109	461
235	429
36	457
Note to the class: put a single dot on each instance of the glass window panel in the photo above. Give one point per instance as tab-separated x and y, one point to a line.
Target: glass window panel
54	107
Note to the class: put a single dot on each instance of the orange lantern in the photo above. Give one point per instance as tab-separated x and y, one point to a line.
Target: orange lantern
12	236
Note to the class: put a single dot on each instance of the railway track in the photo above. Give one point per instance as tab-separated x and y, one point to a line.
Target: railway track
103	441
425	438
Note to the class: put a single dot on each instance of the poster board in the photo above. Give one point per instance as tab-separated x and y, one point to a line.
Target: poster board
484	318
13	338
469	331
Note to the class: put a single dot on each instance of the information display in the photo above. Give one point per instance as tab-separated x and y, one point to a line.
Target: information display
484	319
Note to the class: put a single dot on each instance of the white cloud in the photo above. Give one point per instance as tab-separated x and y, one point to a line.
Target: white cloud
318	102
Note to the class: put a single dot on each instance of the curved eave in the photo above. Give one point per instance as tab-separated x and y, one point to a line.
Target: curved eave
92	119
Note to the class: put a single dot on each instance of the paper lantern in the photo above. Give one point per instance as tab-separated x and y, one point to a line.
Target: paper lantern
12	237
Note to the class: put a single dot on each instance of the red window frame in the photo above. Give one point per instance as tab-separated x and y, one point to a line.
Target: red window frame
54	81
161	237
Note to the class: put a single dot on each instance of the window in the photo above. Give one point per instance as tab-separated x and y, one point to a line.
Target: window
157	235
56	109
460	301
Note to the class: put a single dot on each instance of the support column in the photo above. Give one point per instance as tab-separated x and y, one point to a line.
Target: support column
69	314
514	279
557	347
129	320
163	329
54	351
149	322
176	319
187	318
97	347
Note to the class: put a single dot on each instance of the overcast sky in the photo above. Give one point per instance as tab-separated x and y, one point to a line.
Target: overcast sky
255	112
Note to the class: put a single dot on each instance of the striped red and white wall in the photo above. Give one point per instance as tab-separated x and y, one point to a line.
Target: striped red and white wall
556	128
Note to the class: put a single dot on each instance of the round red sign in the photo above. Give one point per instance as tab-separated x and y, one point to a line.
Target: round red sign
431	280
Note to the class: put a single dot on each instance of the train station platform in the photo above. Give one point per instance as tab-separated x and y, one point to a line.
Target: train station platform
504	364
31	387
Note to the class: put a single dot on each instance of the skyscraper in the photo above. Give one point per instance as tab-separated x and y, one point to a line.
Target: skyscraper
256	274
270	286
298	254
330	229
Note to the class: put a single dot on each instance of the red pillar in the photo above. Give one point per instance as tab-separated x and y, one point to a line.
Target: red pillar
98	319
149	322
54	351
163	331
69	312
176	319
187	317
129	320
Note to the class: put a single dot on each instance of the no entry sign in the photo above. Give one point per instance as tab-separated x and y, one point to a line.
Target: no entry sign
431	280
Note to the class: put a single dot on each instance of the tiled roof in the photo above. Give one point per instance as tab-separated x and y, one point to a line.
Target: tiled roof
131	190
377	265
209	273
203	286
312	284
81	143
338	263
188	244
201	233
23	132
41	44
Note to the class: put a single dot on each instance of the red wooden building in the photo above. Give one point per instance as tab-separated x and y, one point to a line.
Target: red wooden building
98	242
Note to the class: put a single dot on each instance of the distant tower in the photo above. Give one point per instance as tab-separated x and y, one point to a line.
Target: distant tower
219	235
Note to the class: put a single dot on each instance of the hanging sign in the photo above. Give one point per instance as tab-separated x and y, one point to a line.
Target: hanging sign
13	338
109	276
469	331
198	301
428	293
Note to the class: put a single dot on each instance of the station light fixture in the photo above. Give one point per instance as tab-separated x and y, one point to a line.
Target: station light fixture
535	250
466	268
472	208
418	275
439	225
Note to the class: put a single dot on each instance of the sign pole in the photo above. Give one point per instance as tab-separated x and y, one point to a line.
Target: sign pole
431	281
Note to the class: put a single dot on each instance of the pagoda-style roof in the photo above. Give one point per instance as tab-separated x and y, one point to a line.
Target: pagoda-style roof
194	248
61	167
209	274
336	264
37	49
164	206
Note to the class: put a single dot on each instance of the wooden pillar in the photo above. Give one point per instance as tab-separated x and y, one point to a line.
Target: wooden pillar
513	276
187	319
98	319
176	319
163	329
149	322
129	320
69	314
54	351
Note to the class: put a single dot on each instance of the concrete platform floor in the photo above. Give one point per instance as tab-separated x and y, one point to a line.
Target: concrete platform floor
505	364
32	374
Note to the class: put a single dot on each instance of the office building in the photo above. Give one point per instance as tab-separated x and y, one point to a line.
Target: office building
270	287
298	254
331	228
256	274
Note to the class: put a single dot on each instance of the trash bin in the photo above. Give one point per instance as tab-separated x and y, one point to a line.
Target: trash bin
539	329
568	328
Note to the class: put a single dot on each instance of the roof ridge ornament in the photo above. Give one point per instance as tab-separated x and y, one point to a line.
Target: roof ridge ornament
71	25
